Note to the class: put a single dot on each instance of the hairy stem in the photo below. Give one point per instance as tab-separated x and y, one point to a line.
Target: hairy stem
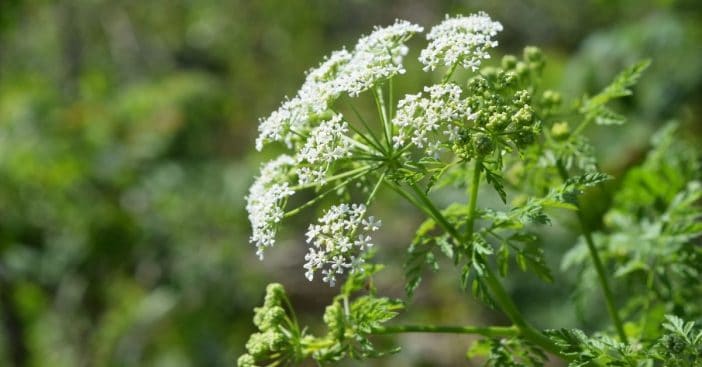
599	267
489	331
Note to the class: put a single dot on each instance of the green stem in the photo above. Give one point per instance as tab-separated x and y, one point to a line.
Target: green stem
333	178
504	301
364	137
322	195
475	184
376	187
365	124
490	331
435	213
450	71
599	267
500	296
380	104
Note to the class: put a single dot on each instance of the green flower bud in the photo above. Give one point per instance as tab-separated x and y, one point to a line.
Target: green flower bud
257	345
276	340
508	79
246	360
268	317
533	54
275	293
522	70
509	62
477	85
551	98
521	97
498	121
524	116
490	73
560	130
534	58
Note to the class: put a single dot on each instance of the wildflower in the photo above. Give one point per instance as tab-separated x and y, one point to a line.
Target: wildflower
422	120
376	57
326	143
265	201
337	242
461	41
295	115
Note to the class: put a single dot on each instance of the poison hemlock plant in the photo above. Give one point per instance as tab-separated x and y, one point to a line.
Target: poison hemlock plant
498	128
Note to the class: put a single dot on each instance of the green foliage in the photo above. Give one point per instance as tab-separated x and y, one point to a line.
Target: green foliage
351	320
678	346
512	352
594	108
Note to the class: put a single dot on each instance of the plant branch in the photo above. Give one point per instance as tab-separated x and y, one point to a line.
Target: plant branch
599	267
488	331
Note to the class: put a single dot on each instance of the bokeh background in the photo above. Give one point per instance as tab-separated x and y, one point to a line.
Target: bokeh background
126	151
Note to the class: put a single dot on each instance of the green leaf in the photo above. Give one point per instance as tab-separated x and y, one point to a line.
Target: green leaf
419	256
594	108
495	179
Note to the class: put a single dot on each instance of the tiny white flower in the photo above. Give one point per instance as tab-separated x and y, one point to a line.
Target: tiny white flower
376	57
372	224
265	199
423	119
460	40
342	234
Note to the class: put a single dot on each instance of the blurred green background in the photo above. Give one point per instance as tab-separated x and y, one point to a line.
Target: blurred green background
126	150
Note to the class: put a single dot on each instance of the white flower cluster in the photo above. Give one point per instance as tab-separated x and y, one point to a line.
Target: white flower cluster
463	40
423	120
338	241
377	56
326	144
293	117
265	200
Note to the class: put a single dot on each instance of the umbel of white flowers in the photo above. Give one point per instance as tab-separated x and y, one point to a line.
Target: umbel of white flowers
337	242
318	137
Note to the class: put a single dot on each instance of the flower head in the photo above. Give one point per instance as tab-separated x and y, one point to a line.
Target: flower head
460	40
326	144
296	115
265	200
424	119
338	240
376	57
